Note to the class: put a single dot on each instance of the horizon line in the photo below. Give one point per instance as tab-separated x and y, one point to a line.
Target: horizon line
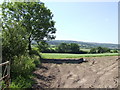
88	41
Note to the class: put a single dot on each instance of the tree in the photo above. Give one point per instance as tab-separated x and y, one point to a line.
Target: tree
105	50
63	47
13	41
35	18
100	50
68	48
74	48
93	50
43	47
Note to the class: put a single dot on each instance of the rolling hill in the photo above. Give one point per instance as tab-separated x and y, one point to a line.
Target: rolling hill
84	44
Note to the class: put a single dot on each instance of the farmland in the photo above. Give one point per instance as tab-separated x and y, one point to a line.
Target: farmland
60	70
37	60
64	55
98	72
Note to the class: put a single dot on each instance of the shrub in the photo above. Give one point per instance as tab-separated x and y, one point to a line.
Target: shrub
21	82
22	65
36	60
21	71
115	51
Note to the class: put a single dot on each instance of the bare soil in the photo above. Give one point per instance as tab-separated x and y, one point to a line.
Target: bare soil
98	72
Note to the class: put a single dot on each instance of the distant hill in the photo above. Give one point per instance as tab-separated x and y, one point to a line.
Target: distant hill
84	44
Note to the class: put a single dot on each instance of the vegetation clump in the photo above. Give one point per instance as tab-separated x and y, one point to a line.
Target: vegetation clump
100	50
23	22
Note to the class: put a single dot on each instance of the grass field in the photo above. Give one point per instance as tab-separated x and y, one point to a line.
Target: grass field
63	55
88	50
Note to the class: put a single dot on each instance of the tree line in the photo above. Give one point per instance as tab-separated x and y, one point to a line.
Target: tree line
71	48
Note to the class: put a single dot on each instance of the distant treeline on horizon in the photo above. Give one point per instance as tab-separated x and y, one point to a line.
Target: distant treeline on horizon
84	44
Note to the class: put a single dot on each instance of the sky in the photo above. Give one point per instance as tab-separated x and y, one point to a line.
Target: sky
85	21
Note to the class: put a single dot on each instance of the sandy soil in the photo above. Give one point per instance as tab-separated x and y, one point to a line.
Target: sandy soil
98	72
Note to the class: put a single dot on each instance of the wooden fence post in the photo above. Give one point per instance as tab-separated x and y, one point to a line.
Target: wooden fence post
6	71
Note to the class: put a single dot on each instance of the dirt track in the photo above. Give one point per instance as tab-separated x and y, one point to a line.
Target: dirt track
98	72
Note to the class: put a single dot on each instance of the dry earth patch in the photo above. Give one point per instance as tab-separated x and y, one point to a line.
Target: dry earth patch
98	72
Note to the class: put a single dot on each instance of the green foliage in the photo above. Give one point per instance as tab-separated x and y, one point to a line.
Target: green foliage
34	53
13	41
65	48
43	46
84	45
22	65
100	50
93	50
36	59
115	51
35	18
21	71
22	23
21	82
74	47
103	50
2	84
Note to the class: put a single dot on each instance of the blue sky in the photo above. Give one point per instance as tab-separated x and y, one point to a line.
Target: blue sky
86	21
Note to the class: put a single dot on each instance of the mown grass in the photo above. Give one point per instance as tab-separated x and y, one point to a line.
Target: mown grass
64	55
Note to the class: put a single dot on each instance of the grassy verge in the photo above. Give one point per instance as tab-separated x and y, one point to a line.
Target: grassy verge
61	55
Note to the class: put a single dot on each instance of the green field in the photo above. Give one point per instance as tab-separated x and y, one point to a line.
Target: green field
61	55
87	50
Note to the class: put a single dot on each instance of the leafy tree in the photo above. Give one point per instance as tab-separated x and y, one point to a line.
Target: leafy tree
69	48
93	50
103	49
63	47
106	50
34	16
100	50
43	46
13	42
74	47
